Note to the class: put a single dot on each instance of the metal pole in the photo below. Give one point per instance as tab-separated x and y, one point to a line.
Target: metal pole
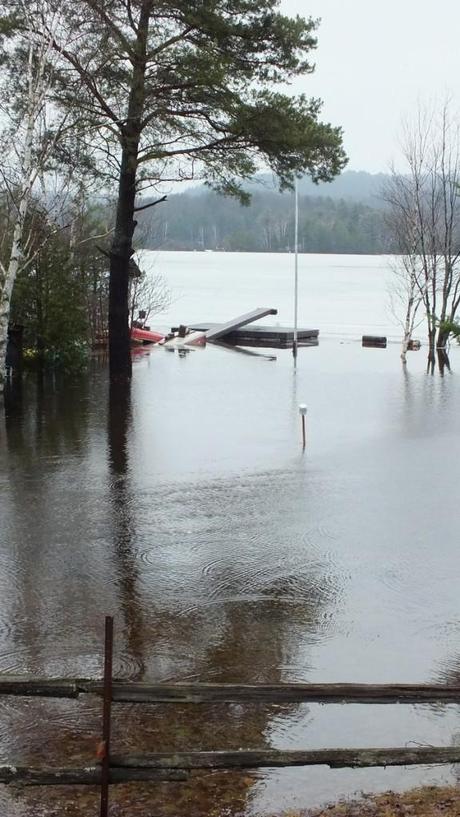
303	414
104	749
296	267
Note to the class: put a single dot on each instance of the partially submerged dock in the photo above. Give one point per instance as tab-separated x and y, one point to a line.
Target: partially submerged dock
218	331
274	337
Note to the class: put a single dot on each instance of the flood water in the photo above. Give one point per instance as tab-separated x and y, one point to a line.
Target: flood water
189	512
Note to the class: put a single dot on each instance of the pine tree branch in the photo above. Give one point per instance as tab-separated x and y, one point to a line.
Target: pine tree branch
150	204
97	7
90	83
192	151
168	43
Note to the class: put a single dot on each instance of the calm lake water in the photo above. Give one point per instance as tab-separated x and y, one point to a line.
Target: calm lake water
342	295
225	554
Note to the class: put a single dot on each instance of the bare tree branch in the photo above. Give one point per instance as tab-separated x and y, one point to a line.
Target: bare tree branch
150	204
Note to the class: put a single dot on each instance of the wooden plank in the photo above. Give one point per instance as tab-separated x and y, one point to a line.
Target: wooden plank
90	776
146	692
334	758
245	337
256	332
255	329
274	332
288	693
39	687
176	767
235	323
199	337
279	337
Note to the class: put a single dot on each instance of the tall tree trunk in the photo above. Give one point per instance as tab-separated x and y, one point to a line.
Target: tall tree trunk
39	306
408	328
431	349
443	360
122	244
120	255
442	339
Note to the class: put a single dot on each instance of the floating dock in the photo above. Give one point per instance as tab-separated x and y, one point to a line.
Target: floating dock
199	337
274	337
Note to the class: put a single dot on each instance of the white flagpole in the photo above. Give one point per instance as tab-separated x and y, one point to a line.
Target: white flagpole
296	267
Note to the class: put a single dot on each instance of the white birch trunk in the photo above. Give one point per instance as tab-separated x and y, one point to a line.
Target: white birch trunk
413	301
28	172
7	279
406	337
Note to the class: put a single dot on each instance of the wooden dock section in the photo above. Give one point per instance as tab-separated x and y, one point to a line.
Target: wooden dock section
222	330
274	337
199	337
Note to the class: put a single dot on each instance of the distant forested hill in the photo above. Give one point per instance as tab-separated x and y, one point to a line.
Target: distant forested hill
345	216
355	185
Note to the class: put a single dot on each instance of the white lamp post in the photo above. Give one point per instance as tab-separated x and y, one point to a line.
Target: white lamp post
303	414
296	267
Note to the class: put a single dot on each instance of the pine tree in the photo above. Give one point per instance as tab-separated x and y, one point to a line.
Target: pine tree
184	89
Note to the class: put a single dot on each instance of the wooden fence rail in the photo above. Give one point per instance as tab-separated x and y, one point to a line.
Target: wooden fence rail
185	693
177	767
88	776
273	758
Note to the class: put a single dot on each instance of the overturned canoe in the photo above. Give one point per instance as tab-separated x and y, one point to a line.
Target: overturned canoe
145	335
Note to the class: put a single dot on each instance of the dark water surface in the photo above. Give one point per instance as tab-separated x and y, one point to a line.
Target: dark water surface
191	515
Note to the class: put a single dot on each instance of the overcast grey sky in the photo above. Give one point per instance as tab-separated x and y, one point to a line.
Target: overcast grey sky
375	59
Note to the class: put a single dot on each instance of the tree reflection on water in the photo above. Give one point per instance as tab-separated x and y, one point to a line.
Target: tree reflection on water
199	586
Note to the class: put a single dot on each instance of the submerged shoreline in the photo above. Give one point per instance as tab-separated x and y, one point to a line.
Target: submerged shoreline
427	801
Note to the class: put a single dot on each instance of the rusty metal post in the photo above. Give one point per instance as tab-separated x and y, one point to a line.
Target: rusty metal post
106	716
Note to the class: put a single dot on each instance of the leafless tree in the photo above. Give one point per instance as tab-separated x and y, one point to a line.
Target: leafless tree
407	287
149	295
406	299
424	217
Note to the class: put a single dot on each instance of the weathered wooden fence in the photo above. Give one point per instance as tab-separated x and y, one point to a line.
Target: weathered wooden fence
177	766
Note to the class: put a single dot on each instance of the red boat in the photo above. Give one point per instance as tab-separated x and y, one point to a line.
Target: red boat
145	335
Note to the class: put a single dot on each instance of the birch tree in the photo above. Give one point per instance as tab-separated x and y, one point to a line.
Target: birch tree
406	299
29	138
407	288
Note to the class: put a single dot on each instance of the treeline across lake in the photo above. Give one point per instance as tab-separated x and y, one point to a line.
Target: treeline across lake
206	221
